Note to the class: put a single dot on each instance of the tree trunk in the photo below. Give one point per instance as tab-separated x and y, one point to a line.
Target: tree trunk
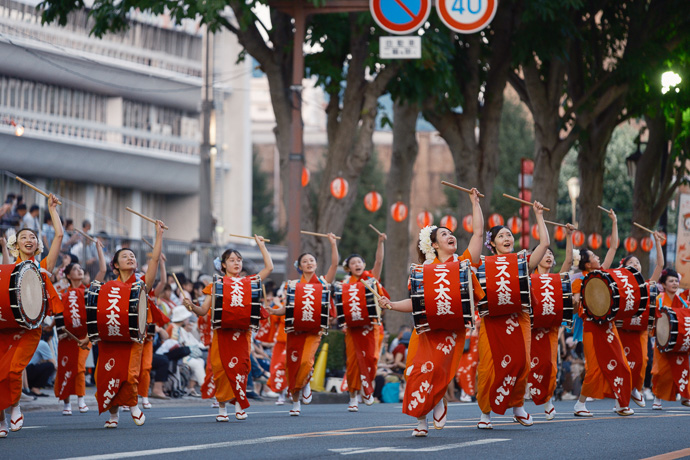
398	186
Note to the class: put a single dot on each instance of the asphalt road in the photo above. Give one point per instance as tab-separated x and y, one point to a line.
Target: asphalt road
189	431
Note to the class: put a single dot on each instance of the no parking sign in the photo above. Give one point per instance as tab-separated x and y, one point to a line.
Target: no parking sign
400	16
466	16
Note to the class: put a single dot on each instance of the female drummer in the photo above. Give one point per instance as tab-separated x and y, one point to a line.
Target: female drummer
635	337
74	348
602	343
434	356
358	338
501	384
17	347
544	343
669	369
230	348
115	357
304	344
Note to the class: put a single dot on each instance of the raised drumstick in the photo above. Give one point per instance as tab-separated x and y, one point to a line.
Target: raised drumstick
34	188
322	235
644	228
179	286
82	233
457	187
146	242
247	237
375	229
554	223
153	221
604	209
520	200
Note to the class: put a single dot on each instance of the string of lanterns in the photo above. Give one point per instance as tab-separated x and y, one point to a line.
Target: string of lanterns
373	202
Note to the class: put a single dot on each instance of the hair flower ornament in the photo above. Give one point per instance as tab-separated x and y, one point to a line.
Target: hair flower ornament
425	242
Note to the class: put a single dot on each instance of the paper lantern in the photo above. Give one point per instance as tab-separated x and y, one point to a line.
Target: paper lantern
630	244
495	219
559	233
663	238
647	243
306	175
339	187
467	223
373	201
578	238
594	241
608	242
535	231
450	222
515	224
424	219
399	211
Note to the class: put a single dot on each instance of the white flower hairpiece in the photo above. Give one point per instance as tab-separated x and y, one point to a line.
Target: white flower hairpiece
425	242
14	250
576	257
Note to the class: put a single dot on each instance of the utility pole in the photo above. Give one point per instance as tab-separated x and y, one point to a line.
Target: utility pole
208	140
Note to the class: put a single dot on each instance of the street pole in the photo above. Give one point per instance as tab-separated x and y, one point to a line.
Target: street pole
206	223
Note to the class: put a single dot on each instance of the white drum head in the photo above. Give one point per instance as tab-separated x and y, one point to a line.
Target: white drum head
143	309
663	329
597	296
31	294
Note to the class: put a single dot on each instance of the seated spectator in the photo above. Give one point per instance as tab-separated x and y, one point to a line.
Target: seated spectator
400	354
573	369
30	219
183	335
42	366
160	365
396	340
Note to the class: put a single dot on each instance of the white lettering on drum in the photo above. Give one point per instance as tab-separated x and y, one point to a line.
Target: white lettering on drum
547	292
686	338
629	291
236	293
441	288
113	314
74	309
355	309
503	289
308	303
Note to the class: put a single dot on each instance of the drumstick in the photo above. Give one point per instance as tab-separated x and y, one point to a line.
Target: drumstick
179	286
604	209
86	236
376	294
520	200
554	223
153	221
323	235
71	336
147	243
34	188
644	228
462	189
247	237
375	229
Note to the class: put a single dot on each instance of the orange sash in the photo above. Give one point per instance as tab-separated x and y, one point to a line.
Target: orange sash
543	364
607	372
635	349
233	347
360	344
467	369
69	379
277	382
301	350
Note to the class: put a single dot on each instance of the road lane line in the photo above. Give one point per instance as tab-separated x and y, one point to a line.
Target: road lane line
358	451
213	415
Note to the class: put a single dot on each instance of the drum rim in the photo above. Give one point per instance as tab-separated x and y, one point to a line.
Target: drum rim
24	270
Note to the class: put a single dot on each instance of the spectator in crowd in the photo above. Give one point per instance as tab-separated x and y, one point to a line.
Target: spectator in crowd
72	236
47	233
182	333
18	216
396	340
42	366
400	353
160	365
31	220
573	369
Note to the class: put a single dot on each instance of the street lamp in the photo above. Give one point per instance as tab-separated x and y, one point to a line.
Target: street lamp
670	80
574	193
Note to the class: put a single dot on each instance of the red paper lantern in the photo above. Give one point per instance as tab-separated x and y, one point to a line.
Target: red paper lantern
339	187
647	243
373	201
663	238
467	223
424	219
559	233
450	222
515	224
608	242
399	211
594	241
495	219
630	244
306	175
578	238
535	231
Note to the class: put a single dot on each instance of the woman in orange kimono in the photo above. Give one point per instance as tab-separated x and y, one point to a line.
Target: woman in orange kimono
277	382
119	363
17	346
360	339
670	370
74	347
607	374
501	382
544	343
230	348
634	337
434	356
301	346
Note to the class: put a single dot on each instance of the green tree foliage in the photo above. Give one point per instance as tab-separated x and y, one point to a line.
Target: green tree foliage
263	208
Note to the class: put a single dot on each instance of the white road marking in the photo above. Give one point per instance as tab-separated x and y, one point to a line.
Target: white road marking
356	450
174	450
30	427
229	413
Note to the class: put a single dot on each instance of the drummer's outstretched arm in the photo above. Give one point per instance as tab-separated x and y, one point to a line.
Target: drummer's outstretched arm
102	267
156	255
164	277
659	258
54	251
335	258
611	253
268	262
280	311
200	310
5	252
568	261
477	241
544	240
404	306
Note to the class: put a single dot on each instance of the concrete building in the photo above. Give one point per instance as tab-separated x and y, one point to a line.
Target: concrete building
115	122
